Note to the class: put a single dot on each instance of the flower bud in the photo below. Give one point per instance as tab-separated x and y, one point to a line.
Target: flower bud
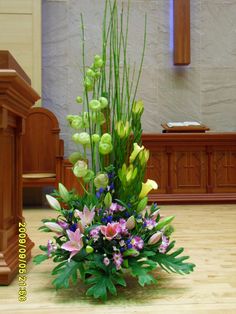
89	249
88	83
138	107
74	157
95	138
130	223
105	148
142	204
108	200
106	138
136	150
131	252
90	73
104	102
95	105
155	238
53	202
77	123
64	194
79	99
53	226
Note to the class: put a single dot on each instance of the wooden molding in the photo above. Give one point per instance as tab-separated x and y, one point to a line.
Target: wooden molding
182	53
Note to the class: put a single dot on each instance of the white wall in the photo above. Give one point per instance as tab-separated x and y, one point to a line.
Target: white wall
205	90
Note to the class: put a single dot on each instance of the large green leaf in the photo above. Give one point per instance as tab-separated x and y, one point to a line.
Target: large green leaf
141	269
172	262
65	273
38	259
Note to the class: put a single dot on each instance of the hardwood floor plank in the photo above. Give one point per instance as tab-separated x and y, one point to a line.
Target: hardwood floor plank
208	234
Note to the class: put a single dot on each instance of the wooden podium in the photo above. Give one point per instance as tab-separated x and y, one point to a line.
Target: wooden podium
16	97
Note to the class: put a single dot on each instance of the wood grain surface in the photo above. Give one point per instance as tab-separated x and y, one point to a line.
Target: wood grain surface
208	234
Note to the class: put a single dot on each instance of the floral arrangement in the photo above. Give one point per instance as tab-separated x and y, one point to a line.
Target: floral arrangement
109	230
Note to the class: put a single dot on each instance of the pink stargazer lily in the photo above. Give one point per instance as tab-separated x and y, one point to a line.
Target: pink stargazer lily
111	230
75	243
86	215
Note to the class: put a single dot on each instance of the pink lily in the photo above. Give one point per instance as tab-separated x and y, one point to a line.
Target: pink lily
86	215
111	230
75	243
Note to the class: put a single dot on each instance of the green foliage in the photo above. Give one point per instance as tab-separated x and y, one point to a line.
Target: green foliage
38	259
66	272
172	262
141	268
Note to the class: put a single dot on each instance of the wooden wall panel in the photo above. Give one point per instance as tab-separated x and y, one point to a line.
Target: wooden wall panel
192	167
20	25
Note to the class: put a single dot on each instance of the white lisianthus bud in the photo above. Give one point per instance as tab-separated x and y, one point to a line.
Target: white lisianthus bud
155	238
53	202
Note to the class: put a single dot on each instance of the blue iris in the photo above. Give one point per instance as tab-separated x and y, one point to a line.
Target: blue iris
73	227
101	190
122	249
129	246
109	218
104	220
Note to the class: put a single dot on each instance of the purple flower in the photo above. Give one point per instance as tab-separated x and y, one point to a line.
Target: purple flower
63	224
137	243
164	245
106	261
73	227
94	233
116	208
51	247
149	223
118	260
122	226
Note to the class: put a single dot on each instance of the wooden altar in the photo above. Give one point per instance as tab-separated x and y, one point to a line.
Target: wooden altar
16	97
192	167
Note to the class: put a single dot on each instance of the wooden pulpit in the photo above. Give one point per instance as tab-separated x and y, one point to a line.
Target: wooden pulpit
16	98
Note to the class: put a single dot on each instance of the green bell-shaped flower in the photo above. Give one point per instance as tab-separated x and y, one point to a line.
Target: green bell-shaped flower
74	157
79	99
101	180
104	102
106	138
95	105
105	148
95	138
80	169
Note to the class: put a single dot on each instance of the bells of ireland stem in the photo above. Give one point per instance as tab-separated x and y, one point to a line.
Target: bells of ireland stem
82	138
101	180
64	194
138	108
147	187
136	150
80	169
104	102
74	157
79	99
95	105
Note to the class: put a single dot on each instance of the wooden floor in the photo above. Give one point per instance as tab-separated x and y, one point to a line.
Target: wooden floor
208	232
